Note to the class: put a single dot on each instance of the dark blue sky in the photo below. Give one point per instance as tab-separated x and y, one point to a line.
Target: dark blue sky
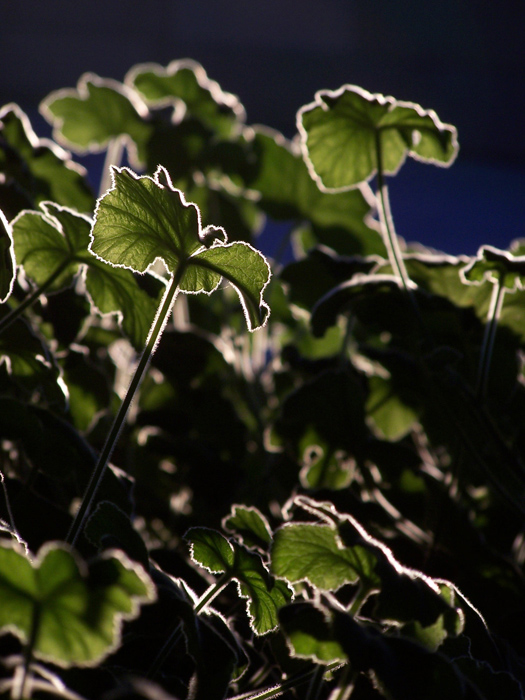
464	59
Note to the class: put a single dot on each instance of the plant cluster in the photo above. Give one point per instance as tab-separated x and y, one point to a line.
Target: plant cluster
202	501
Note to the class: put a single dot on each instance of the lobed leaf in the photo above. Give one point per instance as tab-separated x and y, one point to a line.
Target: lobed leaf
98	110
185	85
73	613
314	553
142	219
264	594
250	526
342	130
497	266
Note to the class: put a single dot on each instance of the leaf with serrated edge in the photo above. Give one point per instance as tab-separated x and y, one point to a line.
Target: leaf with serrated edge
59	589
249	524
339	132
144	219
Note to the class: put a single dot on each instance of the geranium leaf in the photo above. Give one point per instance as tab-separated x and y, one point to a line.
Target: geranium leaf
56	242
250	525
309	633
77	612
7	259
142	219
98	110
264	594
39	168
497	266
341	129
314	553
185	85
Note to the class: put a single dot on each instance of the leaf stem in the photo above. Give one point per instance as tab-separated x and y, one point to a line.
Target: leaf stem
157	327
32	298
114	153
485	357
288	684
213	591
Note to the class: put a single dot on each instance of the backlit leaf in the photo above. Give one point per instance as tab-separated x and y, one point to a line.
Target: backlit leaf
98	110
249	524
142	219
497	266
78	611
342	130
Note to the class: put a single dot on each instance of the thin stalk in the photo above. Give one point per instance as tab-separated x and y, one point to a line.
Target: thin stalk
290	683
485	357
113	157
211	593
28	301
153	338
316	681
28	656
391	242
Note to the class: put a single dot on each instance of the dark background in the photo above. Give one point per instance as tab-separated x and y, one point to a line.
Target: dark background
463	58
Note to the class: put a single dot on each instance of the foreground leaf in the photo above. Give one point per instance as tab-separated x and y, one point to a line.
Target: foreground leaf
218	555
342	130
142	219
74	614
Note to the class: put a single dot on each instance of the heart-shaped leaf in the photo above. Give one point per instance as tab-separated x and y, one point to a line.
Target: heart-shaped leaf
52	247
7	259
185	85
218	555
498	266
343	130
142	219
98	110
73	612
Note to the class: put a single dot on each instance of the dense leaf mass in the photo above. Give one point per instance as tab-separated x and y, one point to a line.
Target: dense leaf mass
328	508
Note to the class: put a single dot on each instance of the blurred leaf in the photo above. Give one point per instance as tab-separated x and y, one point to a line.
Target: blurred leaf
36	170
7	259
97	111
218	555
342	130
141	219
497	266
391	415
109	525
185	85
74	614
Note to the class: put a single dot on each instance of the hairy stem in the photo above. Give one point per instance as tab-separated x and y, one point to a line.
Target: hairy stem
13	315
113	157
153	338
213	591
485	357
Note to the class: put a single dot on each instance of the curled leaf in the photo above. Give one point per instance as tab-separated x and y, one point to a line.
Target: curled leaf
497	266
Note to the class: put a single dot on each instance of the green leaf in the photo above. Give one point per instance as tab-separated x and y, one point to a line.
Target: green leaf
53	245
108	524
274	168
74	613
496	266
309	633
264	594
250	526
341	130
314	553
142	219
98	111
185	85
7	259
391	415
38	169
